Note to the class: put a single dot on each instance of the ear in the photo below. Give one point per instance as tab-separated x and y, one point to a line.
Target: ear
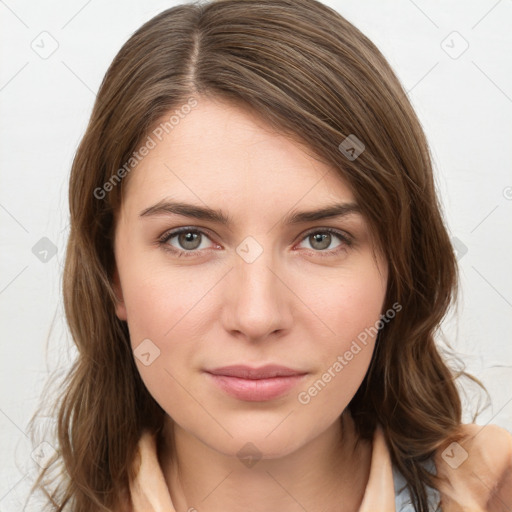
120	305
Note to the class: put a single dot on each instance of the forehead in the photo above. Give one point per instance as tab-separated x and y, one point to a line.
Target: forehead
224	155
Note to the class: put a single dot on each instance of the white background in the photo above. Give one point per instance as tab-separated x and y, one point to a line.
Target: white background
464	104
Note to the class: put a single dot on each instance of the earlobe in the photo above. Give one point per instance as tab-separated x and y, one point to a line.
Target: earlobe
120	305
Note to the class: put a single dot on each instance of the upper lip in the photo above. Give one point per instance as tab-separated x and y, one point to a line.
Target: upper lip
263	372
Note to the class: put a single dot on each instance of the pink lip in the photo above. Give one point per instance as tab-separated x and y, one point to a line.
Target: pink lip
263	372
255	384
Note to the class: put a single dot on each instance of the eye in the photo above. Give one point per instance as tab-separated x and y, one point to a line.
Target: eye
189	239
321	239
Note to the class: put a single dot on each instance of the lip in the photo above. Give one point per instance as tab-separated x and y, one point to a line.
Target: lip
263	372
255	384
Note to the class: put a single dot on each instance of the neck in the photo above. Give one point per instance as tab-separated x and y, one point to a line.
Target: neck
329	473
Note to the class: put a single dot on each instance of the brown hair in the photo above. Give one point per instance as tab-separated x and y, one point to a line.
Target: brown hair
311	74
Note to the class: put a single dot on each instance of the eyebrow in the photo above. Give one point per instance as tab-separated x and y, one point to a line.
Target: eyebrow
165	207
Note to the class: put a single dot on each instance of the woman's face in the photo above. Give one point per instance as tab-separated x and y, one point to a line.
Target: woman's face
271	286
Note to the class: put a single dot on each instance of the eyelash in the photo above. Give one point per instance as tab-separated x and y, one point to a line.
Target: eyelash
162	241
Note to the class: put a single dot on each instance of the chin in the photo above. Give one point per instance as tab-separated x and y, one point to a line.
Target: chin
255	441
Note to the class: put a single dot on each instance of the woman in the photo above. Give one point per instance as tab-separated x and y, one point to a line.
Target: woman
256	267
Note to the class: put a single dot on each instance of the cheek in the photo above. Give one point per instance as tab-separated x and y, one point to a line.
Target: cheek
159	308
159	300
351	307
352	303
164	308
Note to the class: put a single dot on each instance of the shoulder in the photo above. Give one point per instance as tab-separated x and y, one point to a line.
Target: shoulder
477	469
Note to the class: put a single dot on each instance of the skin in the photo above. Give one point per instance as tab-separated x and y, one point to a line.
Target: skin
290	306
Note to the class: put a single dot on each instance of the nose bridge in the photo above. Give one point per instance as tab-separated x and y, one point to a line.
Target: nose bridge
253	269
257	292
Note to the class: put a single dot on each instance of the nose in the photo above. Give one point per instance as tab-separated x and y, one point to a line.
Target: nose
257	301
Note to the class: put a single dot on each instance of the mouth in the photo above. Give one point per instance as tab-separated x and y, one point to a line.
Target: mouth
256	384
263	372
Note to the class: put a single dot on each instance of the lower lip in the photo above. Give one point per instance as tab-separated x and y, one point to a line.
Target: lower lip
256	390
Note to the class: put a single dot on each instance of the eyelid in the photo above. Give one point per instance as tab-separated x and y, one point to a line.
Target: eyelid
344	235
